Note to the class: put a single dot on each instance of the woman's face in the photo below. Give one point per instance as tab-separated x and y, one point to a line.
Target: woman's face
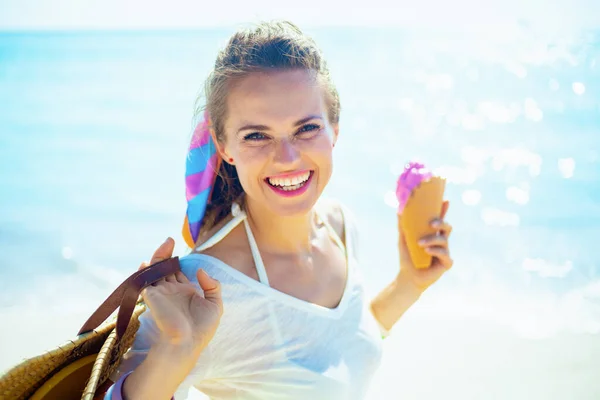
278	134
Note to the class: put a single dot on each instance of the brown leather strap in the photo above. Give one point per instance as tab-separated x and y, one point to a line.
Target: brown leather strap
127	293
141	281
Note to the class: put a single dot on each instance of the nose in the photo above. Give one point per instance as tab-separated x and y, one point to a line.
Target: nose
286	153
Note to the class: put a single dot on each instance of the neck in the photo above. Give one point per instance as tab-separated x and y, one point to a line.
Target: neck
280	234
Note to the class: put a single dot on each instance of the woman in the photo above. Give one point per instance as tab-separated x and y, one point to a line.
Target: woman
282	312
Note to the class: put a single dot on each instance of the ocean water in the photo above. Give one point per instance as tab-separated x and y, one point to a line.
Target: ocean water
93	132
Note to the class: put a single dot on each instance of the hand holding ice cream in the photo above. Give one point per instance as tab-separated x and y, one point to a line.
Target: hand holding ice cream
424	252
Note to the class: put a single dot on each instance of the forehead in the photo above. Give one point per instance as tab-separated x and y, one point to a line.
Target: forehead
272	98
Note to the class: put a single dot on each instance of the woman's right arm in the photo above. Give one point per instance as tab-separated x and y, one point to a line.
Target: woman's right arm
184	318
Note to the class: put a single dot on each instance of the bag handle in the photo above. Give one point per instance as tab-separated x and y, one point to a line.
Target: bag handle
126	295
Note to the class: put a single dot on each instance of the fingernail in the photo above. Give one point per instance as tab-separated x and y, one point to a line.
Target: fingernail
436	223
422	241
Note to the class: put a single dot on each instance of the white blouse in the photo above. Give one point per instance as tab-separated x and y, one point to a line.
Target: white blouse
270	345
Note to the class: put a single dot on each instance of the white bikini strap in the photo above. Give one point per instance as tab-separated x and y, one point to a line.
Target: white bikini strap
238	216
258	261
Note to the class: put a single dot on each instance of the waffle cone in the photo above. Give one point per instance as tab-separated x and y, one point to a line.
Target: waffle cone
424	205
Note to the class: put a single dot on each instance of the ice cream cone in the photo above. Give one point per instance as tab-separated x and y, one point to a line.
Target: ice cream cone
424	205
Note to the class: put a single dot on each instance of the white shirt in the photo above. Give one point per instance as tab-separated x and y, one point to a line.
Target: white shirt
270	345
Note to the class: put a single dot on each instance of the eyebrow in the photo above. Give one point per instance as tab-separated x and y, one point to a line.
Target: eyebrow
266	128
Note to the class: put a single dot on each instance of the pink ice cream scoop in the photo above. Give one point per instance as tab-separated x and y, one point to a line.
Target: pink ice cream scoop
414	173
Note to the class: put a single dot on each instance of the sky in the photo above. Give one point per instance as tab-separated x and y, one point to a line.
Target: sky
186	14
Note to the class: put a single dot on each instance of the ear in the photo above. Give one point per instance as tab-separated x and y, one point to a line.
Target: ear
221	148
336	132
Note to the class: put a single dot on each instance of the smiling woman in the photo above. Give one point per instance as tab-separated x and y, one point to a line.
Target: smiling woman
293	137
287	316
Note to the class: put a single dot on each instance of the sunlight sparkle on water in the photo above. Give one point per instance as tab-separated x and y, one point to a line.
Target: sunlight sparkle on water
390	199
473	155
578	88
471	197
496	217
406	104
497	112
517	157
457	175
439	82
472	122
566	167
545	269
532	111
517	195
516	68
67	252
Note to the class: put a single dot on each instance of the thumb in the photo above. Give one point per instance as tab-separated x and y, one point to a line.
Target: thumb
211	288
164	251
445	206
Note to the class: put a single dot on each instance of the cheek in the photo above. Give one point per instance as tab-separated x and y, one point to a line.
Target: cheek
325	163
320	153
323	148
249	163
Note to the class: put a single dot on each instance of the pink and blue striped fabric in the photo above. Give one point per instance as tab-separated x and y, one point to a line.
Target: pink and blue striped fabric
201	168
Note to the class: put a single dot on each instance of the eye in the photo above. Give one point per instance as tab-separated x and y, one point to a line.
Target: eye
308	130
254	136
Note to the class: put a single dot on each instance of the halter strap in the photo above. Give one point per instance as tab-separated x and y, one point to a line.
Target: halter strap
258	261
240	216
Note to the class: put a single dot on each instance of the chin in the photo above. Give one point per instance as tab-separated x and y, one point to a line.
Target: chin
297	209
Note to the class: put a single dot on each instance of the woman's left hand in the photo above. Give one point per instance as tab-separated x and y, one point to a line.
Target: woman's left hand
437	246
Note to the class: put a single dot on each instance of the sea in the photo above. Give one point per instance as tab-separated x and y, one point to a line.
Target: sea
94	127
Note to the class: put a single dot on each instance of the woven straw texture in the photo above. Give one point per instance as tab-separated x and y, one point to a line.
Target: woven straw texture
21	381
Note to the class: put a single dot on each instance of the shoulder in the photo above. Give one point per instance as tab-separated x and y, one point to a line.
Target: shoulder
337	215
191	263
343	221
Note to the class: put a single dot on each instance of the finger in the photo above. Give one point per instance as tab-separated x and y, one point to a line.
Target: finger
445	206
437	251
442	226
164	251
211	288
181	278
158	282
171	278
143	265
442	254
433	240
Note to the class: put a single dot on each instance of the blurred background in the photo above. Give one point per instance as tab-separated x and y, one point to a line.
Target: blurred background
96	107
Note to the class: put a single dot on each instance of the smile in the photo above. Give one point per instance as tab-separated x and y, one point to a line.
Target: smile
290	184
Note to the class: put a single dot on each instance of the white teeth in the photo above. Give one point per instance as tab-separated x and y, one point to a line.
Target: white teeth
290	183
290	188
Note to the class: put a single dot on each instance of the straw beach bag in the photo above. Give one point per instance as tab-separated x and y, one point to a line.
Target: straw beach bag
79	368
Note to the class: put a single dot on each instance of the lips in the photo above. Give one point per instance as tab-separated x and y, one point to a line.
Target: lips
287	181
292	184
